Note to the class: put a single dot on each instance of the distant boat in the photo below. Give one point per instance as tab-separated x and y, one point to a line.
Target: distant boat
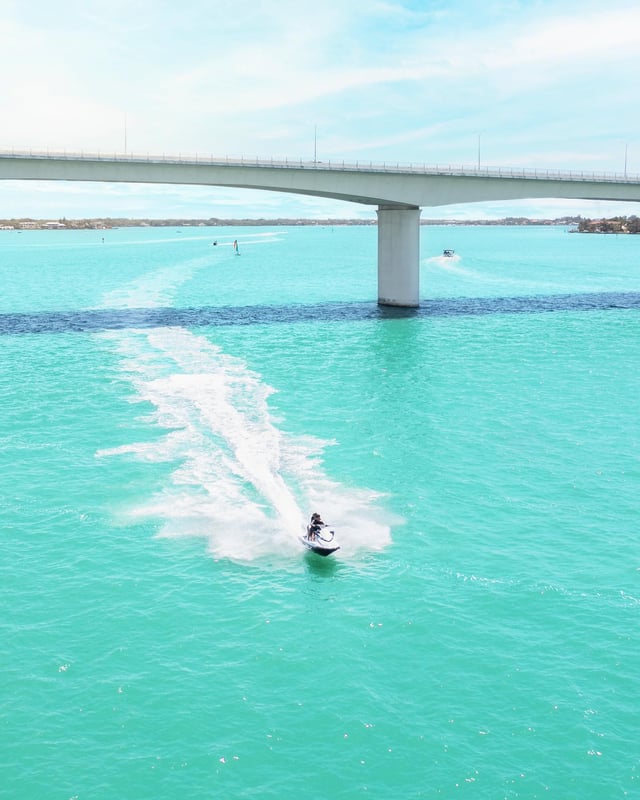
448	253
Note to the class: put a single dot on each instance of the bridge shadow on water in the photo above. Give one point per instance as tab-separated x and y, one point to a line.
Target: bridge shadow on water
94	320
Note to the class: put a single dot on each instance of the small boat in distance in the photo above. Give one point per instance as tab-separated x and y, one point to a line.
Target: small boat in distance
448	253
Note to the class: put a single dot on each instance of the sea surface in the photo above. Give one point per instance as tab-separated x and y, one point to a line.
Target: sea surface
170	415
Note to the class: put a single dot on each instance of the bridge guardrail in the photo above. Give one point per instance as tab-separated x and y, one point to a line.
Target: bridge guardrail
461	170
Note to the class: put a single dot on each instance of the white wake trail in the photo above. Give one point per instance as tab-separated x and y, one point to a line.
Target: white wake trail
241	482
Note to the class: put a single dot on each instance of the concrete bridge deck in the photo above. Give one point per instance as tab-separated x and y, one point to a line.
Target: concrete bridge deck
398	190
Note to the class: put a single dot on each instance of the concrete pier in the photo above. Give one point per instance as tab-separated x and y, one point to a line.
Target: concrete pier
398	256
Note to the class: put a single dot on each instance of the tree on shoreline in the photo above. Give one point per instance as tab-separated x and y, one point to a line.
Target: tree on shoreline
613	225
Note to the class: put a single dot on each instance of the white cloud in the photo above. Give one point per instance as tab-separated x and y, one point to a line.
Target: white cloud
547	84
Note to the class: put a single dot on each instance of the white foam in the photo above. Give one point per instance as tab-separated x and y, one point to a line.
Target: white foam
242	483
264	236
153	289
450	264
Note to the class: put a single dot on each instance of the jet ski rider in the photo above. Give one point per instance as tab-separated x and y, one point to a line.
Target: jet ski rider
315	526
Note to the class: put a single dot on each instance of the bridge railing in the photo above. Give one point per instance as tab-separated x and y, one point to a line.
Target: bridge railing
397	167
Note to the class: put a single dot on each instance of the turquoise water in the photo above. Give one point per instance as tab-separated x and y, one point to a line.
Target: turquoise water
171	414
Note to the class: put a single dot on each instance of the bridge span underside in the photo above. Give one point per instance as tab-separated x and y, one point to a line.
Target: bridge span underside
398	192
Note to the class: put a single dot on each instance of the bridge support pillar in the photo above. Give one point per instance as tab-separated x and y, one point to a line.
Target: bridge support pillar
398	256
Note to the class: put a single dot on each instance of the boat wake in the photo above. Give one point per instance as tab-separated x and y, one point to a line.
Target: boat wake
448	263
240	482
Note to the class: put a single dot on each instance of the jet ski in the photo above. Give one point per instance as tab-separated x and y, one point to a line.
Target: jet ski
320	539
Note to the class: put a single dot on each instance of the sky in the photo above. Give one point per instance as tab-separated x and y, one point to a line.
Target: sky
549	84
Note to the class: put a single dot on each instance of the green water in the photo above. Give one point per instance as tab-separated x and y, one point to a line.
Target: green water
164	634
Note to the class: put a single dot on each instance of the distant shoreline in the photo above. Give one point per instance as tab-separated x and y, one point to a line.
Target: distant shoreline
106	223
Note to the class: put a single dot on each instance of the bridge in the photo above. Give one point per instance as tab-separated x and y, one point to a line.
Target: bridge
398	190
